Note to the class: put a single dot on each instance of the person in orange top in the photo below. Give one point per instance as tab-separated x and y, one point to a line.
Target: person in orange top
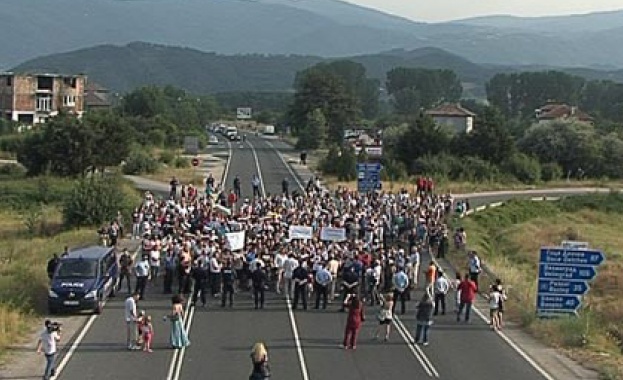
431	277
232	198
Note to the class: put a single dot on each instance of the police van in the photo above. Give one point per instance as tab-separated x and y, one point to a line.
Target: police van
83	280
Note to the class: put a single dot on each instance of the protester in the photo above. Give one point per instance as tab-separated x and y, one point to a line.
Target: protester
356	317
424	319
131	318
385	316
178	337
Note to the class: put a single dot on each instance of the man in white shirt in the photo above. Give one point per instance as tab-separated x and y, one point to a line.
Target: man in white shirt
288	270
215	275
333	266
474	267
280	259
323	279
46	345
414	263
142	271
131	318
442	286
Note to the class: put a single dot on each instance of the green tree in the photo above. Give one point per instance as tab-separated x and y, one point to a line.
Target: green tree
314	132
414	88
63	146
113	138
573	145
421	138
519	94
96	200
489	139
316	89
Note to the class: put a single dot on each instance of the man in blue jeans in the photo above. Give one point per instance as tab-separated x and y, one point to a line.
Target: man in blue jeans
46	345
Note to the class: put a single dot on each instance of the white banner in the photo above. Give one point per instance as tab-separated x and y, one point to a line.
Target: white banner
333	234
300	232
235	240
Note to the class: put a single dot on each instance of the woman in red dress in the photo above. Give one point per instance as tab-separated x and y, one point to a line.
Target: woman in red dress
353	323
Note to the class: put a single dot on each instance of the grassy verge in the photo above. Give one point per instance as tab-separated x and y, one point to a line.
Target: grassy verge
508	239
23	279
184	176
472	187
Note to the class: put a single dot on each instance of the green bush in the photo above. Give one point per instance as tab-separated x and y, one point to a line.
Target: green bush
474	169
181	162
443	165
97	200
523	167
140	162
12	170
341	164
393	170
23	193
156	137
167	157
551	171
11	143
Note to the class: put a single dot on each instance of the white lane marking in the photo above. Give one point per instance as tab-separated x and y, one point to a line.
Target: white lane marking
257	165
297	340
296	178
414	348
182	351
295	332
508	340
226	171
83	333
177	360
75	345
515	347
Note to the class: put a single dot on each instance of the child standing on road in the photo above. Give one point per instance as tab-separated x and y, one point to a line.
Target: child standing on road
454	285
148	333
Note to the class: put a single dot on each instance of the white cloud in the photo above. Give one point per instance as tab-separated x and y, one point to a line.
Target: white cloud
443	10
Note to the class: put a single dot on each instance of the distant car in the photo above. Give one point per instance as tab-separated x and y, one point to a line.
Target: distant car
212	140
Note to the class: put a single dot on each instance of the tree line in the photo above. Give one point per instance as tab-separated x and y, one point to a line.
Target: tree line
507	142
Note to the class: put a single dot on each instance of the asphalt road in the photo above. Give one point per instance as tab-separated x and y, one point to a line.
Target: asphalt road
302	344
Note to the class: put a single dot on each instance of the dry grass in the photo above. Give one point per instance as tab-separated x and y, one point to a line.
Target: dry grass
453	187
512	253
23	279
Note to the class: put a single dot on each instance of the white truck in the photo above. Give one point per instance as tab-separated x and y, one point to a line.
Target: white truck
232	133
269	129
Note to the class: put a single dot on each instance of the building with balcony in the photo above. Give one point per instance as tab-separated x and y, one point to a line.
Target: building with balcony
33	98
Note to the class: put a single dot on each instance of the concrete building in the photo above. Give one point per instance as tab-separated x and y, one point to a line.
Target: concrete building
453	117
33	98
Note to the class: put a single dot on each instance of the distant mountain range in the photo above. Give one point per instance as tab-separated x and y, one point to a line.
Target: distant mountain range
324	28
123	68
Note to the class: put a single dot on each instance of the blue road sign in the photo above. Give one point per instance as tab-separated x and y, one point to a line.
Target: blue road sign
563	287
546	302
368	177
571	256
566	272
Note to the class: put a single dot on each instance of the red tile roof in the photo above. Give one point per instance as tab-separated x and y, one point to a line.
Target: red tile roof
450	110
561	111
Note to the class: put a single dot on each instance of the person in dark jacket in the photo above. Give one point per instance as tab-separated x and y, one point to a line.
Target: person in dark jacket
350	282
259	278
200	275
300	277
228	278
52	264
424	319
355	318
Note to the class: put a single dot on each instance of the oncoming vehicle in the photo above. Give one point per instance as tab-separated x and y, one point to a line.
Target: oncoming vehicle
232	133
83	280
213	140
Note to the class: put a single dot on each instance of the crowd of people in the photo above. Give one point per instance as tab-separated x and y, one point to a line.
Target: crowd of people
373	256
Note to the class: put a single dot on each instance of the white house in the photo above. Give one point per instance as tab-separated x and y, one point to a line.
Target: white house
453	116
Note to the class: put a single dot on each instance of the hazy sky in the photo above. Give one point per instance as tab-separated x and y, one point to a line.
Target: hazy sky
443	10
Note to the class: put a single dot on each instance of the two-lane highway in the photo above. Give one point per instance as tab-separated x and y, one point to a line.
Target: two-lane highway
302	344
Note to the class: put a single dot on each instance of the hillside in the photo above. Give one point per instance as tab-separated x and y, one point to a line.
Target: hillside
324	28
201	73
